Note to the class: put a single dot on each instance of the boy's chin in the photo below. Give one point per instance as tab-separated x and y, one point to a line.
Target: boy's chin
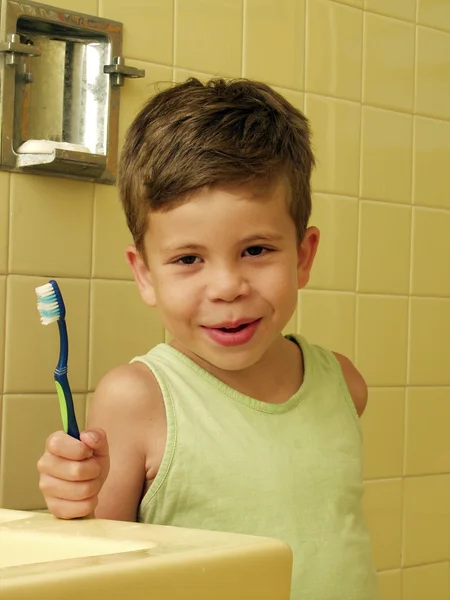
226	359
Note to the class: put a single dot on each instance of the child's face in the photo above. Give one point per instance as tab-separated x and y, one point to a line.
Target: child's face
224	269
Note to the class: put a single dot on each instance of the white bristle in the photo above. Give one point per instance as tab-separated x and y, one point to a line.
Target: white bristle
48	320
44	290
48	308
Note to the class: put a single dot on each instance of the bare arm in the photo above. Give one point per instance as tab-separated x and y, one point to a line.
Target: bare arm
355	383
123	407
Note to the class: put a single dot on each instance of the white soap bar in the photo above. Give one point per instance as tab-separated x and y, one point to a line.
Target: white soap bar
47	147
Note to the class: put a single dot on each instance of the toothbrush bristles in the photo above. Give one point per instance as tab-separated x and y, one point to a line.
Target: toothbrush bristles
48	305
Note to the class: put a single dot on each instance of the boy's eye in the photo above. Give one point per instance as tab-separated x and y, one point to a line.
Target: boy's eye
187	260
256	250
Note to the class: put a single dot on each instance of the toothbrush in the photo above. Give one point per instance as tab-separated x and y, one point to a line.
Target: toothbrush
51	308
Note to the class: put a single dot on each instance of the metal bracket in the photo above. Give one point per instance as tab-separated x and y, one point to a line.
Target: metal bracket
13	48
119	71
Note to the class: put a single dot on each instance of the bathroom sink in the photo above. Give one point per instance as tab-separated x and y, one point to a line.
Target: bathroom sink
110	560
26	547
12	515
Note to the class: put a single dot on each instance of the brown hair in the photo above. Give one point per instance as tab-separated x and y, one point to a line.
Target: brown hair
194	135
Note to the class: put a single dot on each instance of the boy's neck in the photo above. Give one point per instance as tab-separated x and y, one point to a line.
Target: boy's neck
273	379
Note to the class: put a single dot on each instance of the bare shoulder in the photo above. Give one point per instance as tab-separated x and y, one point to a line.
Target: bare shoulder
127	398
355	382
129	387
128	406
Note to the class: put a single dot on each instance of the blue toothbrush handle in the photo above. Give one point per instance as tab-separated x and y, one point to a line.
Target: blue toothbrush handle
66	405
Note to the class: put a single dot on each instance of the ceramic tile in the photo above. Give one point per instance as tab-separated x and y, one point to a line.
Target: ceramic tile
386	155
385	246
336	127
427	440
382	339
355	3
136	92
148	28
27	422
433	73
335	263
208	36
89	7
274	34
400	9
57	216
429	342
4	221
431	160
31	346
297	99
180	75
389	63
328	319
89	398
390	583
122	327
383	425
383	511
431	246
434	13
427	581
2	327
334	50
426	531
111	236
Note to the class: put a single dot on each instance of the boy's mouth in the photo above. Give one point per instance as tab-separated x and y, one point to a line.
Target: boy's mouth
233	333
233	327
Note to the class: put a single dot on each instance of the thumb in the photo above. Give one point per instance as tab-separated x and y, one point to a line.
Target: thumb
96	440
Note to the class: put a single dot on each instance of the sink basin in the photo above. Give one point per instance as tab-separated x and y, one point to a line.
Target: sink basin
28	547
110	560
6	516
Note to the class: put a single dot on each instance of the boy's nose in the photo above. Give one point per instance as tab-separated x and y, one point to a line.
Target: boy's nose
228	285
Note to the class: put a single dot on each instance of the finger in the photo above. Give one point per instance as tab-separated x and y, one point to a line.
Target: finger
69	470
65	509
75	491
96	440
64	445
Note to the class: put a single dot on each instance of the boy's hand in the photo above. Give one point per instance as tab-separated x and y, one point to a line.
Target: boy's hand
72	472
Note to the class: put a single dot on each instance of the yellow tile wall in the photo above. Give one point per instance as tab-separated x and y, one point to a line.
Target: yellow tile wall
374	78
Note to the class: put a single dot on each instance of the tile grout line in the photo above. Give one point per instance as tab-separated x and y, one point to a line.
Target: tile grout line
298	316
382	201
305	49
91	279
408	343
358	251
243	36
8	252
401	478
174	34
379	387
337	291
89	343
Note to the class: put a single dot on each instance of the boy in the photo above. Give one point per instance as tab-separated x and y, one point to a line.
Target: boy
231	426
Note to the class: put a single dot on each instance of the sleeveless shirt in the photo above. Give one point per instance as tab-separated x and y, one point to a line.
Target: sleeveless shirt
289	471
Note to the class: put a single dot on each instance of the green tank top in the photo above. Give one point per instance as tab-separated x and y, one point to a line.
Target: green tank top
290	471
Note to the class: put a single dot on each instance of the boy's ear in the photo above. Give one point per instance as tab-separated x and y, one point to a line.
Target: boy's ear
306	254
141	274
